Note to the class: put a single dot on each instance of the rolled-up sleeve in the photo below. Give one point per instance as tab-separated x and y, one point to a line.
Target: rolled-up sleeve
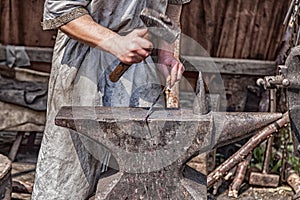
60	12
178	1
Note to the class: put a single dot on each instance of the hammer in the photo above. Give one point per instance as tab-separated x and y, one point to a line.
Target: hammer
265	178
160	26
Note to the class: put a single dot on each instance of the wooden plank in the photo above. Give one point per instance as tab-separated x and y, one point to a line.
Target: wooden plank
233	28
35	54
38	54
20	24
230	66
205	64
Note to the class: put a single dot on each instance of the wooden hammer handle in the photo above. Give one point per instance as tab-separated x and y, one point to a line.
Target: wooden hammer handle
172	94
118	72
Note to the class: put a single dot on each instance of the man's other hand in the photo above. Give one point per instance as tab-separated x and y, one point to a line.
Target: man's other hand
170	67
132	48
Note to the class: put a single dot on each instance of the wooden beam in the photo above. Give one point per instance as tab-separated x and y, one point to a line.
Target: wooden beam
193	63
230	66
35	54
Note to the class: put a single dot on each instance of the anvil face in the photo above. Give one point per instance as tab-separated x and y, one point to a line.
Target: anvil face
151	154
137	145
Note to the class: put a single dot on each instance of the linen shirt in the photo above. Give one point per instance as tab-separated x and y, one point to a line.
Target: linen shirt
69	165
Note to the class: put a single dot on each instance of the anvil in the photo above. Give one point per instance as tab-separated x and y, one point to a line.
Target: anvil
152	155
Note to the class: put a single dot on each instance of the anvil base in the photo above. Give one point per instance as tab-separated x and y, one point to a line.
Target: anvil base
168	183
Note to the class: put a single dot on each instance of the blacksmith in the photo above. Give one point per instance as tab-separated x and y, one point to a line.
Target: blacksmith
93	37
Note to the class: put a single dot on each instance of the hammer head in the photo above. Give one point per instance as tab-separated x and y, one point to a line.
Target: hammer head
264	179
160	25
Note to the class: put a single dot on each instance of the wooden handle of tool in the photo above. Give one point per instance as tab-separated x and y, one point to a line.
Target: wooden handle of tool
118	72
172	95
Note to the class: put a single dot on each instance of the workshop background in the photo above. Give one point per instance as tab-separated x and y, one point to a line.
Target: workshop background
234	30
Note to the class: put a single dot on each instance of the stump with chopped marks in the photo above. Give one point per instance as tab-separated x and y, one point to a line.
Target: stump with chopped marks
5	178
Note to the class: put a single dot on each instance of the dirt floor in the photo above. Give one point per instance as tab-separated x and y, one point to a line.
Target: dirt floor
280	193
23	169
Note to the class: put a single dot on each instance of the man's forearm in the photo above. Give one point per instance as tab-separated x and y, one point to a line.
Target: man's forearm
87	31
132	48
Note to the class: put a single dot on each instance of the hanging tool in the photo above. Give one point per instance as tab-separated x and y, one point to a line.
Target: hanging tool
265	178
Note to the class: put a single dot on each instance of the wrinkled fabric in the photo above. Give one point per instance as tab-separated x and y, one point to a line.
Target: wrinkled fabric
178	1
28	94
16	56
69	164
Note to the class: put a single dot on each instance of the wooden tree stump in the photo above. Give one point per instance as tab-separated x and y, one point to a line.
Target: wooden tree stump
5	178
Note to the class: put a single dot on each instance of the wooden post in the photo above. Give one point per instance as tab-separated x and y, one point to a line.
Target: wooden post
15	147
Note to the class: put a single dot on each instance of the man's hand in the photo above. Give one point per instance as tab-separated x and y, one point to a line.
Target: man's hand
129	49
170	67
132	48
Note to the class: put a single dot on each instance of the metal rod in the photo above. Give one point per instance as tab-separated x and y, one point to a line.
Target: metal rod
153	104
238	156
289	12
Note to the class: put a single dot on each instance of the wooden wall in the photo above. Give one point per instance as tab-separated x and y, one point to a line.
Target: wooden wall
225	28
250	29
235	28
20	23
